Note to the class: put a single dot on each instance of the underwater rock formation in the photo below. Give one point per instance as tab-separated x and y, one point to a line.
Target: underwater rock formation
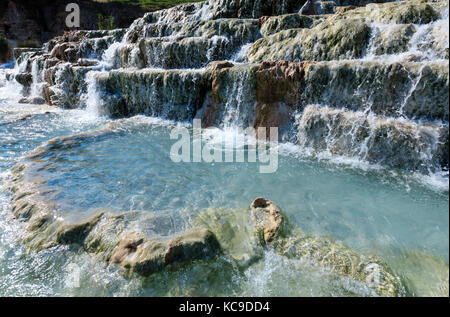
108	236
244	234
114	237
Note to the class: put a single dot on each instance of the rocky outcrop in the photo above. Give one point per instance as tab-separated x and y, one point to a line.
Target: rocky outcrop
415	11
193	45
377	140
171	94
149	255
244	234
275	24
24	79
345	35
414	90
394	39
349	61
6	53
330	40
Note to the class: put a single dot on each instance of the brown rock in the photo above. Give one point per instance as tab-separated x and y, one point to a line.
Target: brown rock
278	88
51	62
268	219
214	69
343	9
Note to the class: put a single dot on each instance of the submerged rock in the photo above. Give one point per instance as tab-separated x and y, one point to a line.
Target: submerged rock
106	235
329	40
244	234
146	256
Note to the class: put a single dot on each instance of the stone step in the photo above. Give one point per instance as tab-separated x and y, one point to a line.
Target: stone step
391	142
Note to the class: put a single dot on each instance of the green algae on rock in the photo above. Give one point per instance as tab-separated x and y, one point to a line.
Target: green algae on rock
175	94
410	145
329	40
244	234
275	24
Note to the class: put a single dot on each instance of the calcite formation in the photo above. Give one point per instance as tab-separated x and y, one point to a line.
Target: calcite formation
245	233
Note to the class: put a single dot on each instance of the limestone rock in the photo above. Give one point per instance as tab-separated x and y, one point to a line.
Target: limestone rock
268	219
279	81
329	40
126	247
377	140
76	233
244	234
418	91
394	40
34	100
216	66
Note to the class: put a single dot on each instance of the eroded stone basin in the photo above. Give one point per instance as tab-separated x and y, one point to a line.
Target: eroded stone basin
126	169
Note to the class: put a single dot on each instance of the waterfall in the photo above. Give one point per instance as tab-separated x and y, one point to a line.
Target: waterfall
390	74
35	85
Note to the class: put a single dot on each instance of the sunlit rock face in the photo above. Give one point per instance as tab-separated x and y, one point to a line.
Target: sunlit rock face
330	40
142	242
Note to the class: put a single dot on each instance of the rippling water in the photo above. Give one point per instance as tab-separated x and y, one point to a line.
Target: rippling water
386	212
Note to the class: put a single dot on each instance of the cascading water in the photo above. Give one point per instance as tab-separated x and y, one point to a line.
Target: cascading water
361	94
